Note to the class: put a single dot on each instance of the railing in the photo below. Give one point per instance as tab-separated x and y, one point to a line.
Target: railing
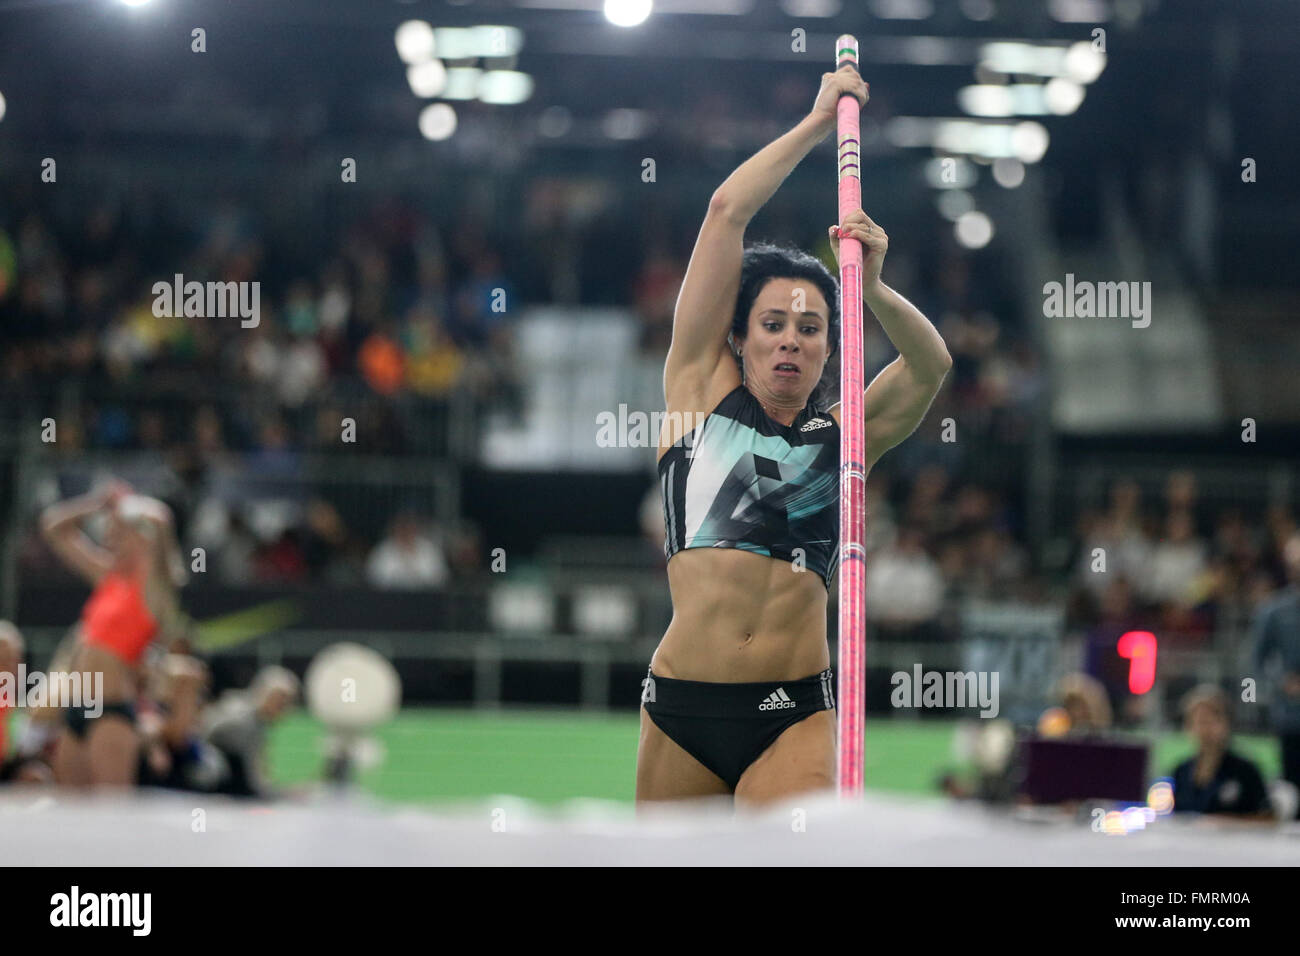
607	668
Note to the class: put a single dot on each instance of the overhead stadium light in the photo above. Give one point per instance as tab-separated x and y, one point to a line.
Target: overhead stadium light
1078	62
988	139
415	41
1083	63
427	79
437	121
456	43
712	8
1028	141
504	87
494	40
973	229
627	13
986	99
982	139
1058	96
1008	173
462	83
1062	96
1015	57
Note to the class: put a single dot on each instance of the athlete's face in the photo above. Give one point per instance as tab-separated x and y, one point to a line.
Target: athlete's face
788	343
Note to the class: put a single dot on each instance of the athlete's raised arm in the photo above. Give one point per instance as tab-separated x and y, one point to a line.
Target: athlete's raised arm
61	529
707	299
897	398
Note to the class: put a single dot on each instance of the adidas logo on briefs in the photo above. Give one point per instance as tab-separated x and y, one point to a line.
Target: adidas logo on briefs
777	700
815	424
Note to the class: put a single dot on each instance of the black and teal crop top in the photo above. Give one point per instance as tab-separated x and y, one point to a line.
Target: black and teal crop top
743	480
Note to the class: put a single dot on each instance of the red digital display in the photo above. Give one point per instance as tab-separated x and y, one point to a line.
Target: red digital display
1139	648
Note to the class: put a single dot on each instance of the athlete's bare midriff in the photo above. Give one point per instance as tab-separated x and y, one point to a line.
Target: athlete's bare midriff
738	617
742	617
121	680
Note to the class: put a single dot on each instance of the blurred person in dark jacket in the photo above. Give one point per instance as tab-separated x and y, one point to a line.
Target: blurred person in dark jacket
1215	779
173	754
1277	654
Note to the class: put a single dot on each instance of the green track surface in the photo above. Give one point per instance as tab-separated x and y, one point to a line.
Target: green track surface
552	756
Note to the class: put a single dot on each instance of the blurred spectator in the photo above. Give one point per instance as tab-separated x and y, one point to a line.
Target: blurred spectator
1215	780
1279	527
27	762
998	565
927	509
381	361
174	755
1085	703
465	552
282	561
1123	543
434	361
1180	492
1178	562
482	303
303	370
904	589
274	457
237	559
12	651
1277	655
654	296
237	726
406	558
324	539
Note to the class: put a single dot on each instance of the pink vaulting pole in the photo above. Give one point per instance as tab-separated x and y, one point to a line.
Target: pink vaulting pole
853	473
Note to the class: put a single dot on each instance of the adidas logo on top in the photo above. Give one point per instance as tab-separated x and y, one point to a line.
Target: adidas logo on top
815	424
777	700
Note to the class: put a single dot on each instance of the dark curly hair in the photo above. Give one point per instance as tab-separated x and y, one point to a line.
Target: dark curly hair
764	261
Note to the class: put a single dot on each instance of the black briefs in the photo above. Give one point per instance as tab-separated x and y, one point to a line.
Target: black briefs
727	727
78	720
